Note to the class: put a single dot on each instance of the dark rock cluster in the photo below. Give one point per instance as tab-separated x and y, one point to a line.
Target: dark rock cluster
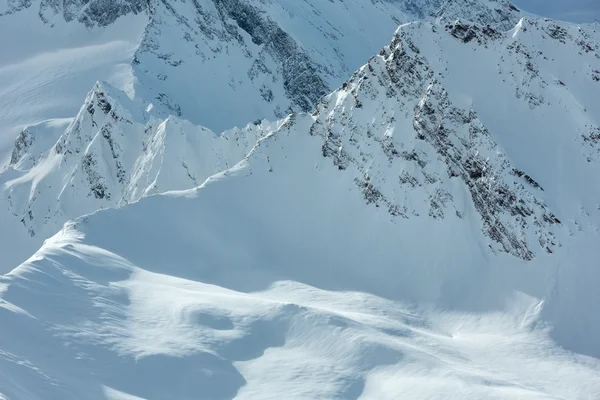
507	207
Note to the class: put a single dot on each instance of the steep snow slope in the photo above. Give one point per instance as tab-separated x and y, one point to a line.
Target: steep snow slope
400	241
218	318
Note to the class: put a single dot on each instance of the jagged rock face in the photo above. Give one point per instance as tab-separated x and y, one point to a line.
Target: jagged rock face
419	141
301	82
13	6
22	145
269	51
507	208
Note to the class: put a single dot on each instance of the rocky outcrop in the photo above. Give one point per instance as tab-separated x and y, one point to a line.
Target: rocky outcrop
244	49
21	146
499	14
301	80
419	134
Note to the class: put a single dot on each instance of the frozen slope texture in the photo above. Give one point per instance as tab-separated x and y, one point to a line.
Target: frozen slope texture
400	242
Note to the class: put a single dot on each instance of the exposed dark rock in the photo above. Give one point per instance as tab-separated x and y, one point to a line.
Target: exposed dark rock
21	146
499	14
301	81
506	208
490	195
557	32
106	134
527	178
97	186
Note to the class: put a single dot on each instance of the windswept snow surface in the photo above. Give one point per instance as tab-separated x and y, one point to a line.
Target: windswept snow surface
275	280
430	230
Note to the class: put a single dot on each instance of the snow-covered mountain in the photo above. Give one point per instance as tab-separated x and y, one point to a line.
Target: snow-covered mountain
428	230
111	154
214	63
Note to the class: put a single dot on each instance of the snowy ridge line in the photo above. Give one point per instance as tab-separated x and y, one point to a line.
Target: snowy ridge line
113	153
511	213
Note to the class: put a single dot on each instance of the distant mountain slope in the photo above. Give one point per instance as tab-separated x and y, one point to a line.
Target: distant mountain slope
429	230
224	63
46	70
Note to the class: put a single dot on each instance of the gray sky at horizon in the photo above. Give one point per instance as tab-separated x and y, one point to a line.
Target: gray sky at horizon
568	10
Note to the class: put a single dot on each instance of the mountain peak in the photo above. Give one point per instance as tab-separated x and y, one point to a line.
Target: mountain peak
499	14
444	132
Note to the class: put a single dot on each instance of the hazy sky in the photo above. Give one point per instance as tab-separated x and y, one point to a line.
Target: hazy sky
570	10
